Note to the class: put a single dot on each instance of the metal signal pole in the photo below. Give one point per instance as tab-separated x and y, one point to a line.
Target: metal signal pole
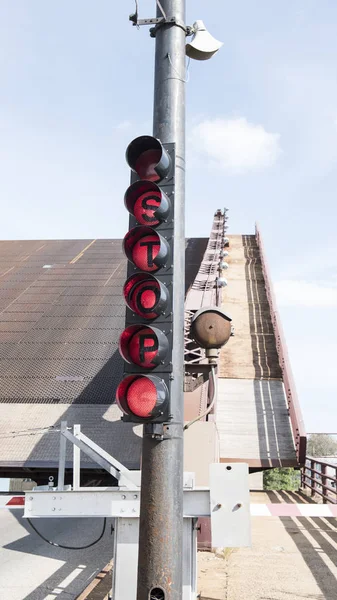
161	512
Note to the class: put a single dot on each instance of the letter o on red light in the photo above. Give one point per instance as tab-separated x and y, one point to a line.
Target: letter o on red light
146	296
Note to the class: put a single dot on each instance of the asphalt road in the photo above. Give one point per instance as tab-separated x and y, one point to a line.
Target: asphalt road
31	569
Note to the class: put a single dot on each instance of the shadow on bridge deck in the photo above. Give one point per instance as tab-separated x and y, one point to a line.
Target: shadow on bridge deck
31	569
316	540
291	557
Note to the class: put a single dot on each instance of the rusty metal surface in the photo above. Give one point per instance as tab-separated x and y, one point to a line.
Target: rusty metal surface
211	330
194	252
203	292
289	384
61	314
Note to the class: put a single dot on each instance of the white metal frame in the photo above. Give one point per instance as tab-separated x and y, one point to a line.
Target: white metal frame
226	502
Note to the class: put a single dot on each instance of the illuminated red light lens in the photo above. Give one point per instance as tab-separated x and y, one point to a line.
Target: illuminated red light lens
146	163
145	251
147	157
145	296
148	299
141	397
140	345
145	207
143	348
147	203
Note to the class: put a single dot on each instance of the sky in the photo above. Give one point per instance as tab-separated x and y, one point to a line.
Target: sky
76	87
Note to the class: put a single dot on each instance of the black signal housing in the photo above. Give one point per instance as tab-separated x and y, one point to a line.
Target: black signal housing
146	342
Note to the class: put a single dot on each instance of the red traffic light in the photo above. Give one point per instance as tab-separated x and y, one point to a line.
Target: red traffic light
146	296
147	203
147	157
143	396
144	247
143	346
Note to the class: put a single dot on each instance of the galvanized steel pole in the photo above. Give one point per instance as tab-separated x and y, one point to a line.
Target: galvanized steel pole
161	514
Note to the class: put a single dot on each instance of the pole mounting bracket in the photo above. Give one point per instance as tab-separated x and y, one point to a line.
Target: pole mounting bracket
155	430
159	22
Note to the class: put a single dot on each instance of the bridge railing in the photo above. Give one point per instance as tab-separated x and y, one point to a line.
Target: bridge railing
295	413
320	478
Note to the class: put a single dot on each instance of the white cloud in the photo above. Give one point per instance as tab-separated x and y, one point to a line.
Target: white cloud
235	145
303	293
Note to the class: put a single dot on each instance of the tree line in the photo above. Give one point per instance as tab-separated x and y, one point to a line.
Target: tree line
319	445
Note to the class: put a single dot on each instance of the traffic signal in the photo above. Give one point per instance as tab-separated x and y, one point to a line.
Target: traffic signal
146	342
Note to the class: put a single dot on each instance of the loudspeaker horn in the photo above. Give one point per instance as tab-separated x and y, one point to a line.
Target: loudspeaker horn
203	44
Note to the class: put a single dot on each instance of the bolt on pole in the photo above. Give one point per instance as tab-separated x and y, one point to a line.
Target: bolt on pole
160	563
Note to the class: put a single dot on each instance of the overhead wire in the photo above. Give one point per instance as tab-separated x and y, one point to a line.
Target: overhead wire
31	431
161	9
186	80
69	547
159	6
